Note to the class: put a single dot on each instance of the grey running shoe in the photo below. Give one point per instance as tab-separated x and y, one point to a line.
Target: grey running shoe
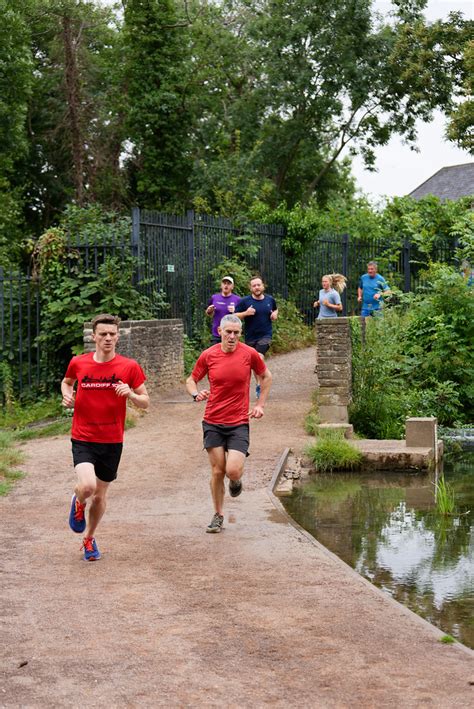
235	488
216	524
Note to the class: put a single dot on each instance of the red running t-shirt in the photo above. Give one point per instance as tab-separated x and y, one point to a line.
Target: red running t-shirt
229	378
99	414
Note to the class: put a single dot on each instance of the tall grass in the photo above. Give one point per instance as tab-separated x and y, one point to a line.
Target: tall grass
332	452
444	497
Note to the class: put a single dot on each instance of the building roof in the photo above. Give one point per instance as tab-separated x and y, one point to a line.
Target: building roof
448	183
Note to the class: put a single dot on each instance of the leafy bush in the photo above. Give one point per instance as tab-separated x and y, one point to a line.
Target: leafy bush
439	342
72	294
239	271
192	350
332	452
379	404
418	360
289	330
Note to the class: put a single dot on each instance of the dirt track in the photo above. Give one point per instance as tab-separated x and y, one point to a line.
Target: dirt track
172	616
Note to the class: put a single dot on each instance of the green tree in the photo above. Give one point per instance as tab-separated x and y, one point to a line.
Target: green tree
15	89
290	87
75	117
461	124
156	43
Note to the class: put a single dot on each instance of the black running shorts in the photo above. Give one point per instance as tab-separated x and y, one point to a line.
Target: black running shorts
262	346
234	438
105	457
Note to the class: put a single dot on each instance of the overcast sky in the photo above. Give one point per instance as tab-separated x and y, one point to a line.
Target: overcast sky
399	169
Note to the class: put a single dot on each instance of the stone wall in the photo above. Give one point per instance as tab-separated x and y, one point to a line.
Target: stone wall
157	345
333	368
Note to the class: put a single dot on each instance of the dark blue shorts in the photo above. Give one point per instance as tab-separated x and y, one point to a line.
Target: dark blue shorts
262	346
366	312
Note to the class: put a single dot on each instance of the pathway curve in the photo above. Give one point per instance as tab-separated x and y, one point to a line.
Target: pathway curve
171	616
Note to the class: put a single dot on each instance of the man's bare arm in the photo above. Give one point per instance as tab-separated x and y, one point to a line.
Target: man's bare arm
67	391
138	396
192	389
256	412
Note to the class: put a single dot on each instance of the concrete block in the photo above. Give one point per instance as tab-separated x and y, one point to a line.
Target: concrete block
333	414
333	400
421	432
284	487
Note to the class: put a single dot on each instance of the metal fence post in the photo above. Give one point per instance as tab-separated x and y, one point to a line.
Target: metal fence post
135	244
406	266
345	268
191	280
456	263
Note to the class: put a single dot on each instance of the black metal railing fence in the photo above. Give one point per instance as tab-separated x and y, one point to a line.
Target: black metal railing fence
178	255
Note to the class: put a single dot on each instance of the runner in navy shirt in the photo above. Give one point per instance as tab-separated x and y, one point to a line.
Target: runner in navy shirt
259	311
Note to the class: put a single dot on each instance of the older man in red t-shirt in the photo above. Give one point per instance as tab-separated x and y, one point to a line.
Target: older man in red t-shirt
228	366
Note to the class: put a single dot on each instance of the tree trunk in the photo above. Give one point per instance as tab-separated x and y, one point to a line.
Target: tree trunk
73	99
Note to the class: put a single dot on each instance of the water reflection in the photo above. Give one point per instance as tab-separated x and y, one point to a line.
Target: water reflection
386	526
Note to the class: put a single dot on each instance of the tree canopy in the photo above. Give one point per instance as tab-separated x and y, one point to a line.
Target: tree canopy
179	103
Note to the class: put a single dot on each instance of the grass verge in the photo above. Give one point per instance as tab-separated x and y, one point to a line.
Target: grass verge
10	458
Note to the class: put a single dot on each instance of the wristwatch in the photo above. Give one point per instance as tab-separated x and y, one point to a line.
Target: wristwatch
195	396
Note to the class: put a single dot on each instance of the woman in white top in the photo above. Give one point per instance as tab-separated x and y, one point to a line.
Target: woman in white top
329	301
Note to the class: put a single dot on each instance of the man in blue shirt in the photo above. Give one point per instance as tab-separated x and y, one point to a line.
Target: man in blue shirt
372	287
258	311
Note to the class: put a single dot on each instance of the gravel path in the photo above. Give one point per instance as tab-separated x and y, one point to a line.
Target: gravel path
256	616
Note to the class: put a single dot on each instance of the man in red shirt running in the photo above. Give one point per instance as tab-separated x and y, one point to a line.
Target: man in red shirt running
105	380
228	366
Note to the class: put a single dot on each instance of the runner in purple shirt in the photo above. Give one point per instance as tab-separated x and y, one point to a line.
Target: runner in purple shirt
221	304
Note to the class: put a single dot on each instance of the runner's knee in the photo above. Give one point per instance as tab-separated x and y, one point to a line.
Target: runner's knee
86	488
234	471
217	471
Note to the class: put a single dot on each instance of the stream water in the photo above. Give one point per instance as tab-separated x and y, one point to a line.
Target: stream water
385	525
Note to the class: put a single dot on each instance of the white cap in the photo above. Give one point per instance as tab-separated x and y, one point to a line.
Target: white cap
227	278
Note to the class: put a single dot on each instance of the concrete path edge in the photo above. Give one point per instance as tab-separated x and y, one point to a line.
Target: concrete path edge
278	472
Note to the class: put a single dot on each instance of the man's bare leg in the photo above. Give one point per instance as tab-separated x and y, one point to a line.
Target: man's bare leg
97	507
85	487
86	481
217	459
234	467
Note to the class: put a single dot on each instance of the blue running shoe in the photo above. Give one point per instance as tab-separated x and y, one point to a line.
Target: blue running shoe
257	391
77	517
91	553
